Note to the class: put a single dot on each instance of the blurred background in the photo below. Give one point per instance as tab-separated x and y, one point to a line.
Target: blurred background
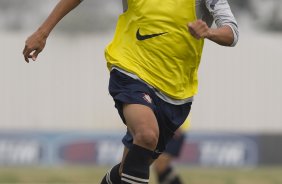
57	111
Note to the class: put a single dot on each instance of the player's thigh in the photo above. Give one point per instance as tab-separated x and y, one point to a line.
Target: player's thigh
141	122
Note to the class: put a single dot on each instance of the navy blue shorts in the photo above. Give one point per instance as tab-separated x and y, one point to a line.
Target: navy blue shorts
175	145
126	90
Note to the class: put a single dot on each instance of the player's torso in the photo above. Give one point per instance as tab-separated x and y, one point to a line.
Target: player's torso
153	42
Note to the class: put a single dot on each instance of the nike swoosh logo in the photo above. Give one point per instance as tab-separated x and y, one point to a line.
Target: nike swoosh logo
145	37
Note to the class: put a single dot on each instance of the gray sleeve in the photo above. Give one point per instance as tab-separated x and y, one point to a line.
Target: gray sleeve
222	15
124	5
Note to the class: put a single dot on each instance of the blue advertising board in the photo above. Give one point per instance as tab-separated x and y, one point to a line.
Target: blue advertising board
200	149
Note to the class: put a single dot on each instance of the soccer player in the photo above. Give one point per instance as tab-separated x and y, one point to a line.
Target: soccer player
163	167
153	61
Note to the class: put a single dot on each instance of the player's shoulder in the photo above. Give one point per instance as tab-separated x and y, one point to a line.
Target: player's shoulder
213	2
213	5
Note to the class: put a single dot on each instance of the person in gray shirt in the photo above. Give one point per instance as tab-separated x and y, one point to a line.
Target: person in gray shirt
152	115
210	11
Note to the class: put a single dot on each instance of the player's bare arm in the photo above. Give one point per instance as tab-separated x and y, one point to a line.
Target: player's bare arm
36	42
222	35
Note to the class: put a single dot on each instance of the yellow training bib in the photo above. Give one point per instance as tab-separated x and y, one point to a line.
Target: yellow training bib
152	41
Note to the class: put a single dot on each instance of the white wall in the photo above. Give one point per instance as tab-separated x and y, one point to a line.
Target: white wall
241	87
65	89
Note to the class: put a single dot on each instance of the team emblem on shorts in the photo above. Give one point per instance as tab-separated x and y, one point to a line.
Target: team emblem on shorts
147	98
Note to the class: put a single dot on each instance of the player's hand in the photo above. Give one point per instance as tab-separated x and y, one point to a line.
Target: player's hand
199	29
34	45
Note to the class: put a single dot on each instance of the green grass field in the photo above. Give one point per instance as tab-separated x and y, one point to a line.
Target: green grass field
92	175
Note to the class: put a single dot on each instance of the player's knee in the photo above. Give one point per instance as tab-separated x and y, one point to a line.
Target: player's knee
147	139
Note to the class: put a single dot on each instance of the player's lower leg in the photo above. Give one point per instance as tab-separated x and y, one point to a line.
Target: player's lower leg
112	176
136	166
168	176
